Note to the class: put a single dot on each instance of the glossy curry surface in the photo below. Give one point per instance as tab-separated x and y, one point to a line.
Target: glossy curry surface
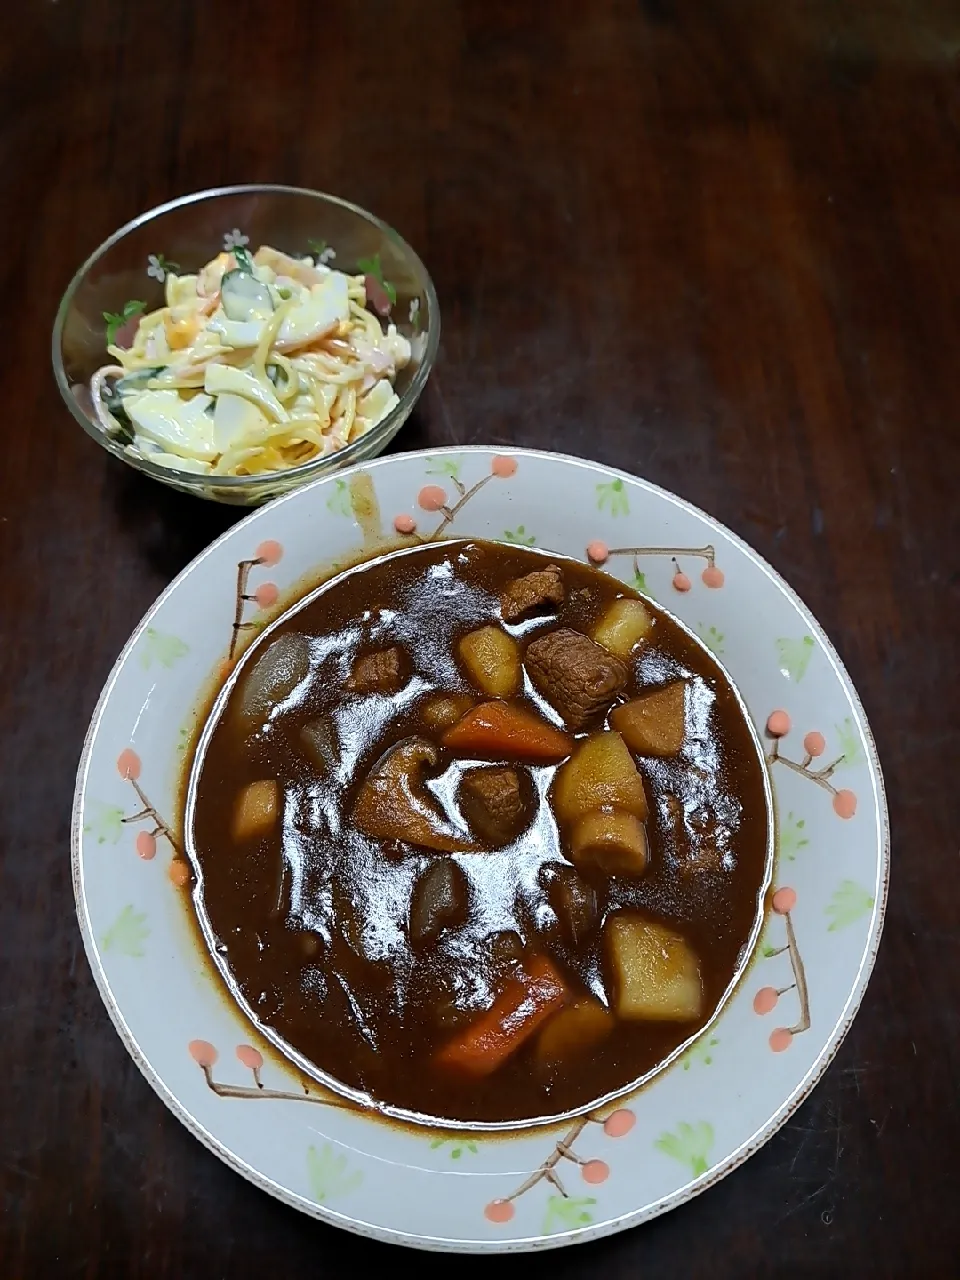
331	937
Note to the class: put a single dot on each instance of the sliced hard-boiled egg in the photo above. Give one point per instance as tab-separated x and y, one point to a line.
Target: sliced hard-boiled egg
323	311
180	289
235	333
176	423
236	419
378	402
176	463
220	378
314	316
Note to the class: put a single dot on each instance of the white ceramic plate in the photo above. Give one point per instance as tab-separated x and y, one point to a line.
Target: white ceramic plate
531	1188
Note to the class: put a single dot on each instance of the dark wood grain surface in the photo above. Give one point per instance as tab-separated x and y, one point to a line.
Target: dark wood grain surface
715	244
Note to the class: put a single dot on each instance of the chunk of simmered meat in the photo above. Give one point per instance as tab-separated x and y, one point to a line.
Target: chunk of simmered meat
494	804
576	676
440	900
532	591
377	672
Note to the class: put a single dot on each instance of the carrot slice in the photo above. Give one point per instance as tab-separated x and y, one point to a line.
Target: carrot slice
526	1002
507	731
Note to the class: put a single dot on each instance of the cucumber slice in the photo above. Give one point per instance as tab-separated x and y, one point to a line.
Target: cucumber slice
244	297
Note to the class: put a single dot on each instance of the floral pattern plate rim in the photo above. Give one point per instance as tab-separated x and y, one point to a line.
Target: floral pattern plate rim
459	1190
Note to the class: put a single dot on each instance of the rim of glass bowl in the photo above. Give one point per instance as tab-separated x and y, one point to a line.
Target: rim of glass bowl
356	451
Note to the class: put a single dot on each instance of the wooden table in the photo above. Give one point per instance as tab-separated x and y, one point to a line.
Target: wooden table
715	244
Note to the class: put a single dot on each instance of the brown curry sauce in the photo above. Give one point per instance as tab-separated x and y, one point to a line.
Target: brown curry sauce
309	925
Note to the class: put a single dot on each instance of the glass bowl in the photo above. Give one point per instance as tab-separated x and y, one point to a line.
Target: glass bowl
130	267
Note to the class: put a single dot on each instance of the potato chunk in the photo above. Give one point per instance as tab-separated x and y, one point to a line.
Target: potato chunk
573	1031
442	711
624	624
612	841
256	809
492	661
654	724
600	773
656	975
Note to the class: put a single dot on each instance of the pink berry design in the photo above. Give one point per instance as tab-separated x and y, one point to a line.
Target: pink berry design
146	845
593	1171
619	1123
431	498
779	726
269	552
499	1211
264	596
128	764
203	1053
767	998
130	768
713	577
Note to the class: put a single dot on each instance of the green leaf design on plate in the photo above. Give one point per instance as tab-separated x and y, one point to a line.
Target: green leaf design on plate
329	1173
128	933
458	1147
374	267
640	583
564	1213
700	1052
163	648
106	823
848	739
711	637
690	1145
795	657
519	536
444	467
160	647
117	319
767	947
338	504
612	497
848	904
792	839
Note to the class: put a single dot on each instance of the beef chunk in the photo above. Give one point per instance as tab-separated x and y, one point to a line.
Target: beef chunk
377	672
523	595
493	804
577	677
